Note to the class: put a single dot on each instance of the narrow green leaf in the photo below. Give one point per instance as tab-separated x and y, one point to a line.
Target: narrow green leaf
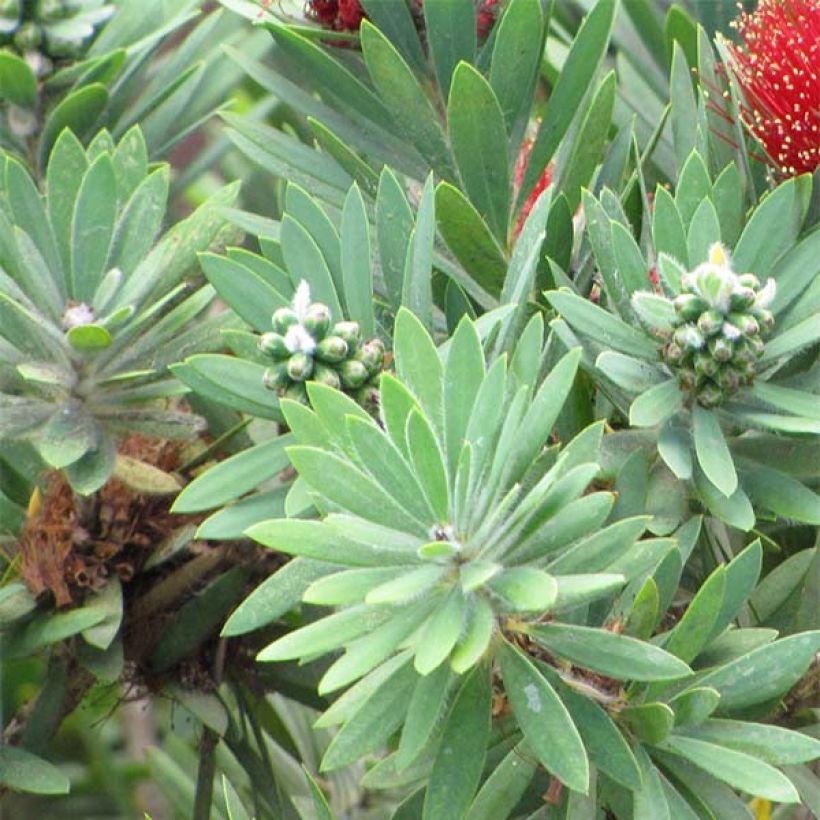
92	228
649	802
547	726
401	93
588	146
470	239
742	574
275	596
764	673
525	589
79	111
574	590
383	461
584	58
692	631
64	175
609	653
376	645
428	464
478	136
394	225
18	83
772	228
419	366
633	375
506	785
650	722
694	705
253	299
357	272
451	34
427	703
234	476
772	744
460	759
656	405
441	632
23	771
373	722
417	290
603	327
517	53
305	260
478	632
712	450
667	227
739	770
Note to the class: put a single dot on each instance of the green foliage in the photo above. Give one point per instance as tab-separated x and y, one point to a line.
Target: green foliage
500	492
87	65
94	307
688	360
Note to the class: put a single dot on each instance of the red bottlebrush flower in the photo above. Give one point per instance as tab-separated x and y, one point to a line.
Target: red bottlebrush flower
350	15
544	181
324	11
778	68
340	15
487	13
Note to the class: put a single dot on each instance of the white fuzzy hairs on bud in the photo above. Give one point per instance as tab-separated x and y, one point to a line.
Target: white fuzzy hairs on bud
301	300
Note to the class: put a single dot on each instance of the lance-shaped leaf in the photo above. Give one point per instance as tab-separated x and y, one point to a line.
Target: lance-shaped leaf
546	724
609	653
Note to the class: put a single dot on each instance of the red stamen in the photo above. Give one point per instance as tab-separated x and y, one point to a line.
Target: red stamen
778	68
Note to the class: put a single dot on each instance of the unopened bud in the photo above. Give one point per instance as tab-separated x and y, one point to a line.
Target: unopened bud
371	354
728	379
745	323
282	319
688	306
296	392
332	349
742	299
300	366
710	395
721	349
687	379
688	336
705	365
673	353
276	377
326	376
353	374
317	320
368	397
749	280
274	345
349	331
709	322
764	317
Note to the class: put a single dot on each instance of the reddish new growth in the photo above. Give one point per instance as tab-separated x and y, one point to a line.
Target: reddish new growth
779	71
340	15
347	15
544	181
487	12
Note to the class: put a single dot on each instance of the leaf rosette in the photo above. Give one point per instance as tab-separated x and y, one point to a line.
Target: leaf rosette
476	581
93	307
718	365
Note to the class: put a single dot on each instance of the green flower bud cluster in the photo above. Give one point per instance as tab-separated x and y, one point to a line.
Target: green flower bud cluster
51	29
717	337
306	345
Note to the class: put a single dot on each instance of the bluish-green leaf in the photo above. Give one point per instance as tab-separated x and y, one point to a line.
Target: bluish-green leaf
478	136
545	721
